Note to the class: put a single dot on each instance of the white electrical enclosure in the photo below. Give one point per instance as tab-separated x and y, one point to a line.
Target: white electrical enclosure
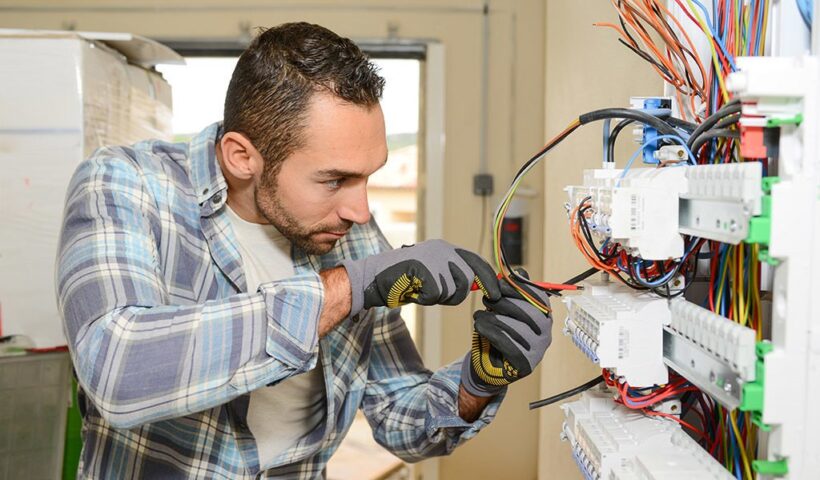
720	200
620	331
711	351
610	441
777	88
637	208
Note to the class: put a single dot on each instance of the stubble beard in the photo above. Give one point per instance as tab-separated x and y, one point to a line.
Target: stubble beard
270	206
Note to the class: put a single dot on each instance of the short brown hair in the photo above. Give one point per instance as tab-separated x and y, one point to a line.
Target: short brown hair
276	76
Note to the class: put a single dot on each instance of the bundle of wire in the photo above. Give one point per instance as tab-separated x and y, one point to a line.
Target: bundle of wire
505	269
633	272
676	61
710	423
733	28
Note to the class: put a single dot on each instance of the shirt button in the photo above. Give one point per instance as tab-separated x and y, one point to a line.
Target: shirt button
217	198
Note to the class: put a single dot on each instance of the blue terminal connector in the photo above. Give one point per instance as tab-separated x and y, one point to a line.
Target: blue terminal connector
583	463
588	351
649	133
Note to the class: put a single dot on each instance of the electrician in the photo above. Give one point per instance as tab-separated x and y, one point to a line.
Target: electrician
225	299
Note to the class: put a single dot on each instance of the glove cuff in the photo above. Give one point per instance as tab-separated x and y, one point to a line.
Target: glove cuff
472	384
355	273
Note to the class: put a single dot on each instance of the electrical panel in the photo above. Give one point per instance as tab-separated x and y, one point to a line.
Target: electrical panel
705	323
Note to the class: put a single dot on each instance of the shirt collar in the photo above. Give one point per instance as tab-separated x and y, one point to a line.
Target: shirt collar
206	174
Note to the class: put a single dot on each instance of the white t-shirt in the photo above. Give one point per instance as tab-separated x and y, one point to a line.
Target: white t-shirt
280	415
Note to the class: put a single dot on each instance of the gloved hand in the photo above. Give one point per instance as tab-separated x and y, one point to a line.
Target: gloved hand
509	339
429	273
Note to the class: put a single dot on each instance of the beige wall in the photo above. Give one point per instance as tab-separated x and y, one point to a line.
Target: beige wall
586	69
508	448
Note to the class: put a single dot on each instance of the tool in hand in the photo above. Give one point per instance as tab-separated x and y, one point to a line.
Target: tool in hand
544	285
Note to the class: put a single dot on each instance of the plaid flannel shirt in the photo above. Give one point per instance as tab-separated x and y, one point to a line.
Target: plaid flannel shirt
167	342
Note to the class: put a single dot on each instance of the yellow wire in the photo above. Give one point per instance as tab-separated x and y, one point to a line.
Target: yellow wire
725	436
741	300
765	27
715	59
720	285
756	288
743	457
497	222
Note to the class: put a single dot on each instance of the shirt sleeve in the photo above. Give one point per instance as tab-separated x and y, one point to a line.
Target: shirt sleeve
414	412
140	359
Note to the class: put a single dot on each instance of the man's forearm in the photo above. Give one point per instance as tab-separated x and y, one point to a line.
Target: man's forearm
470	406
336	305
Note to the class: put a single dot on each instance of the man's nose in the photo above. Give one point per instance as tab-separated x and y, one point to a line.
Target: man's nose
355	208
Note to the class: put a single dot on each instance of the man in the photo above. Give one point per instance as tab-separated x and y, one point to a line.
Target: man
225	299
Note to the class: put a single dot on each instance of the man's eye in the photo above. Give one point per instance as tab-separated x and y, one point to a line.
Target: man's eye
334	184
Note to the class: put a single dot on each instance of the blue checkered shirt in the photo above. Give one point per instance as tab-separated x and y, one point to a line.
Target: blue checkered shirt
167	343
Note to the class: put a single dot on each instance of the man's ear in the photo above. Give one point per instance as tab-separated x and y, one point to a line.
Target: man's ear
239	156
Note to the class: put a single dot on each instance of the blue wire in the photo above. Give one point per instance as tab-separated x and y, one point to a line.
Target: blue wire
656	283
806	8
759	27
718	39
650	142
661	281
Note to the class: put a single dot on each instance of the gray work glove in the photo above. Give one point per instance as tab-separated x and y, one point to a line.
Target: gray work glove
509	340
429	273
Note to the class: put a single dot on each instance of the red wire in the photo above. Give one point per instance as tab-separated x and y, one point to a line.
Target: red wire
713	273
686	424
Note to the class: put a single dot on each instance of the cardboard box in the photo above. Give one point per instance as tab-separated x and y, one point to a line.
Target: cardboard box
62	95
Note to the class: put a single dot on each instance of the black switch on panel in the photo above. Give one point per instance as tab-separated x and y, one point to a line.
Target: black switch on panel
512	239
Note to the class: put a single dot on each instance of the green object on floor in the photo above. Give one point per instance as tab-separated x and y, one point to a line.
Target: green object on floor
73	437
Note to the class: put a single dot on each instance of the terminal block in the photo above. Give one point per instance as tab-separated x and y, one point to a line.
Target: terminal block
621	331
637	208
720	200
711	351
610	441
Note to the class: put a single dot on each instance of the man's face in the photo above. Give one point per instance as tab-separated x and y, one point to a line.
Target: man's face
320	189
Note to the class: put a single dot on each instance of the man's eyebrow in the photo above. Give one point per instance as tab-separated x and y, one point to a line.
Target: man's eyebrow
339	173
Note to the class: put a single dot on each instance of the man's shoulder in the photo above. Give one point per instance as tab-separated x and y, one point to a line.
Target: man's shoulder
147	155
149	161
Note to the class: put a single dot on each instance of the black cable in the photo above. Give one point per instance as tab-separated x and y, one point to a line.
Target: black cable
582	223
727	110
569	393
637	115
711	135
682	124
637	51
534	159
582	276
613	135
730	120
